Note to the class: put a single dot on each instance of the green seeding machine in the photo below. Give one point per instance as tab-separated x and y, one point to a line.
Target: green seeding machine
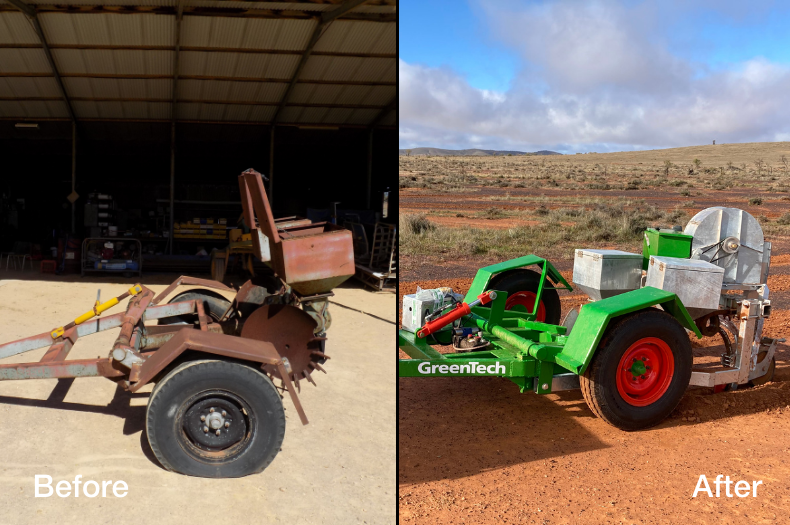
628	347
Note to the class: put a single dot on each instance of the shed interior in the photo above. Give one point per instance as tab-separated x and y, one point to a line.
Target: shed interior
150	110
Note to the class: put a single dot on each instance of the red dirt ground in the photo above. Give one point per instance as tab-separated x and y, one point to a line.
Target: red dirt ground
475	450
499	224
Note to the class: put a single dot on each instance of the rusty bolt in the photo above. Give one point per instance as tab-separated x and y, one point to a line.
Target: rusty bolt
211	410
218	432
224	413
205	429
202	418
227	424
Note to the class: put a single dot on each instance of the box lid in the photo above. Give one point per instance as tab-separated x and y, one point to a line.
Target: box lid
607	254
667	233
692	265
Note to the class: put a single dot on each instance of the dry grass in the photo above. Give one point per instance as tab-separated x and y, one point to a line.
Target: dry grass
762	166
607	223
757	174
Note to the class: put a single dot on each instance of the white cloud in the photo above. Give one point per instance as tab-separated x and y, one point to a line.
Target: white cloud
596	76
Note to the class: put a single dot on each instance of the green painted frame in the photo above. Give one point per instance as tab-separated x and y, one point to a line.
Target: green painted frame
523	349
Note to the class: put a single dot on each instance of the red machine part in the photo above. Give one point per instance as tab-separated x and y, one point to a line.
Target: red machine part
527	300
645	371
460	310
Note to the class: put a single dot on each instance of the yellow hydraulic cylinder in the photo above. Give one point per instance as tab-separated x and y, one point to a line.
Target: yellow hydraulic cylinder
97	310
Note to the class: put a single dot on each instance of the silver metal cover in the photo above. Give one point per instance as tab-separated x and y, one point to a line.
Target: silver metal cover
605	273
741	255
696	283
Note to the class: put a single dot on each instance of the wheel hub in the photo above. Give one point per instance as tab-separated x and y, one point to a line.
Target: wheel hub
645	371
525	302
215	422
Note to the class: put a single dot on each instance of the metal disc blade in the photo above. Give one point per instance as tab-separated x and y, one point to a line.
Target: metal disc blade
290	330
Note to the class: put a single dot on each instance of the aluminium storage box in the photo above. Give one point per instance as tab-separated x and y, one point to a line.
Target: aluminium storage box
697	283
605	273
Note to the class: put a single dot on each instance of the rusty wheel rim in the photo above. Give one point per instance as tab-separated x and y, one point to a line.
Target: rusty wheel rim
232	439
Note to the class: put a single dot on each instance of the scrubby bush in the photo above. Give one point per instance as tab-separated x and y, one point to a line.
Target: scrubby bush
416	224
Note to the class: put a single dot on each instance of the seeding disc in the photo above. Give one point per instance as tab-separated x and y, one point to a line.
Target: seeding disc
290	330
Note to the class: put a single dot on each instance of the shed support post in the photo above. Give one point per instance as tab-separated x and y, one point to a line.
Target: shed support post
172	183
370	170
271	167
73	174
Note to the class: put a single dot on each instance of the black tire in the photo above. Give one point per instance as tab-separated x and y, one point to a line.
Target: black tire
599	381
214	305
254	413
516	281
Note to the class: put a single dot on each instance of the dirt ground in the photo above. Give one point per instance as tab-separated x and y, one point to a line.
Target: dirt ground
475	450
338	469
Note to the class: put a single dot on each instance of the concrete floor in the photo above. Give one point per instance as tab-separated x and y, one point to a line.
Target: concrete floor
338	469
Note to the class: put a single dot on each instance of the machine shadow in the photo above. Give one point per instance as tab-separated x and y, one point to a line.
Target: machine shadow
452	428
119	406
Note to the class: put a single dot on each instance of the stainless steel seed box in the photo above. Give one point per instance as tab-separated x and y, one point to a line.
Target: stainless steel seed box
697	283
604	273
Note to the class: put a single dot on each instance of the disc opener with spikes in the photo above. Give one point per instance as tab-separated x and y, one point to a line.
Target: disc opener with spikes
291	331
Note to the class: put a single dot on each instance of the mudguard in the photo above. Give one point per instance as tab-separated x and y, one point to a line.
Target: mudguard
484	275
594	318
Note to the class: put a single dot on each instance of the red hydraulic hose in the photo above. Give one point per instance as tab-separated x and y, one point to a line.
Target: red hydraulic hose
460	310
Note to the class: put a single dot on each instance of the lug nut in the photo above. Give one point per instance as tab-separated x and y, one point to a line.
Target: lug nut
202	418
227	424
224	413
644	377
211	410
205	429
217	432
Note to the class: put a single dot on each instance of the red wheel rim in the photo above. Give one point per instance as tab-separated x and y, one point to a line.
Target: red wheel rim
645	371
527	300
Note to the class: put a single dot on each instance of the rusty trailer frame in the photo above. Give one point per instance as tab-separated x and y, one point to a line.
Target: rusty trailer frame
140	352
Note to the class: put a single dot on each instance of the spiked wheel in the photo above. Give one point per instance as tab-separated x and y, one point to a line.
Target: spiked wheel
291	331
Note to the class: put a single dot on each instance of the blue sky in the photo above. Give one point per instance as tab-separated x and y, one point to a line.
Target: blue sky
460	41
593	75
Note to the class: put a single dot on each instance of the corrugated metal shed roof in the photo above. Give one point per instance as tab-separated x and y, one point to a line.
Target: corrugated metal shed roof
236	62
108	29
246	33
16	29
358	37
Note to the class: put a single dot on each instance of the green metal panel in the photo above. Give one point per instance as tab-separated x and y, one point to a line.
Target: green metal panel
465	367
594	318
415	347
484	275
666	243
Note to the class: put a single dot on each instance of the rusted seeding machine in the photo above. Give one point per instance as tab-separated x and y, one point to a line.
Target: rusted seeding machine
215	410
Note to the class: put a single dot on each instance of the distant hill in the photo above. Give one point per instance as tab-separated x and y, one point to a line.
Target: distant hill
437	152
